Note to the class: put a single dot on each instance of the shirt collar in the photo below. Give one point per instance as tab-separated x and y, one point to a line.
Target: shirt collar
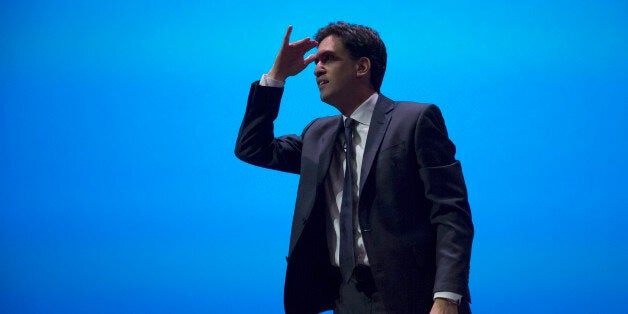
364	112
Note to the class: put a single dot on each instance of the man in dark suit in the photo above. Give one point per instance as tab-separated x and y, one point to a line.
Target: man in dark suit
382	223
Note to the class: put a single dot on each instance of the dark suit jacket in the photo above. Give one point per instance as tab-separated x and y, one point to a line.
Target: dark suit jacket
413	208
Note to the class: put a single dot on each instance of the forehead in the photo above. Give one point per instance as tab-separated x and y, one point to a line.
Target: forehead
332	43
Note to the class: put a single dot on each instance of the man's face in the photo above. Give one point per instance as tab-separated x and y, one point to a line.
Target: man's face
335	71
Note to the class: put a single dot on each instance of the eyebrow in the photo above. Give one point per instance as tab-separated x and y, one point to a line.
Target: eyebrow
327	53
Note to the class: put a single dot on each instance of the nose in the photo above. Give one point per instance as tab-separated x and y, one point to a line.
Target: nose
319	69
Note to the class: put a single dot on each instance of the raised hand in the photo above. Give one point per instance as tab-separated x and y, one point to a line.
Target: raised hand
290	60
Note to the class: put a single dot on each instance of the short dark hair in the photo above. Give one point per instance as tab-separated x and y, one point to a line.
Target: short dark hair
360	41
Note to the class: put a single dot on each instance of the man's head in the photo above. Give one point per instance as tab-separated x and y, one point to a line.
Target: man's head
360	42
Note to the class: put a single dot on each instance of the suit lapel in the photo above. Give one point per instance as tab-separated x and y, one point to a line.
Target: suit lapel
379	124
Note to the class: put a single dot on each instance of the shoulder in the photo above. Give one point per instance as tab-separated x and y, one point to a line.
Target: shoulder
419	114
408	109
414	108
322	125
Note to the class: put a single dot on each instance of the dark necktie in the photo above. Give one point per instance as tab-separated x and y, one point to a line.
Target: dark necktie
347	257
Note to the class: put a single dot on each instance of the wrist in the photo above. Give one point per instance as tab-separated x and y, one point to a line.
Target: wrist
266	80
446	301
276	76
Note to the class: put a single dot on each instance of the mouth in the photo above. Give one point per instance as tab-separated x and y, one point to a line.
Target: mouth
321	82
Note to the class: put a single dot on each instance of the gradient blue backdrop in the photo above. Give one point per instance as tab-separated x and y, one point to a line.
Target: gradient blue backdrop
120	193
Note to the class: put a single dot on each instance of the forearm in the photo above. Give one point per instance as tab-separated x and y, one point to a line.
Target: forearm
450	214
256	143
451	218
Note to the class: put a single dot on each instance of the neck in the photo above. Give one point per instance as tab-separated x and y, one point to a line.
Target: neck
354	101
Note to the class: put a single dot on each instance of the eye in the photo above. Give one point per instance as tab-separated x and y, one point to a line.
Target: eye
324	58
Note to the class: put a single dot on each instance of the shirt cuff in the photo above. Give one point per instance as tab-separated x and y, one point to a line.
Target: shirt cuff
270	82
448	295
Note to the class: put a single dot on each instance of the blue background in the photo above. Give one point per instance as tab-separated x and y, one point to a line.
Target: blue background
120	193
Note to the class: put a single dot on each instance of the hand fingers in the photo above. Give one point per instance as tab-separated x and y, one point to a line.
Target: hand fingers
286	38
299	42
309	59
304	44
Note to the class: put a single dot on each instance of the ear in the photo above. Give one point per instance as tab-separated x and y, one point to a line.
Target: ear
363	67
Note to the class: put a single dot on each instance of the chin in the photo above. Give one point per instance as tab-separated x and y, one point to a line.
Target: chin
324	98
328	101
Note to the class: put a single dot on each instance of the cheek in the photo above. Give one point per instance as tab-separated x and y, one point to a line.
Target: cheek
342	75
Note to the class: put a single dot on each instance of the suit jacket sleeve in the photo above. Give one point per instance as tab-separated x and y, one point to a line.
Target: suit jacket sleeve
256	143
450	213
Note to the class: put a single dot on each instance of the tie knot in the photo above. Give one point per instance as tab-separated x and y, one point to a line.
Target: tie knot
349	123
